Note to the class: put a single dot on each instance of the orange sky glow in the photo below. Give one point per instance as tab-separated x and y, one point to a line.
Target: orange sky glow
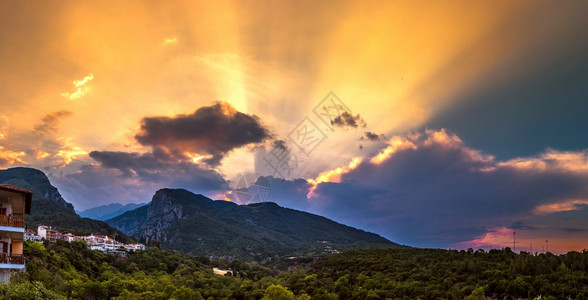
81	76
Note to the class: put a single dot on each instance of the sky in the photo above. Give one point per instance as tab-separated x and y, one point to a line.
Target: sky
446	125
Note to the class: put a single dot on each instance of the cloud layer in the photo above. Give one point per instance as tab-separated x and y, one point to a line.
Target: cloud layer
134	177
214	130
432	190
179	146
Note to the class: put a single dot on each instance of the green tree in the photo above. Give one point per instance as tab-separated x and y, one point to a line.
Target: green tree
477	294
277	292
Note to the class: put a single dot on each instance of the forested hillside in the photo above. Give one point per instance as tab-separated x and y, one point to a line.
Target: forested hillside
70	270
192	223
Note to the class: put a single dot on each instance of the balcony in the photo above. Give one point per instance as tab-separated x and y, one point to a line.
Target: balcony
13	259
12	221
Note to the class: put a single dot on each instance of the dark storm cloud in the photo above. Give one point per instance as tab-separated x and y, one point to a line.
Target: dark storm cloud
163	168
345	119
433	191
214	130
134	177
49	122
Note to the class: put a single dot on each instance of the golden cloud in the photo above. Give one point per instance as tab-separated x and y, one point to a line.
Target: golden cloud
552	159
9	157
39	154
567	205
333	175
69	151
79	88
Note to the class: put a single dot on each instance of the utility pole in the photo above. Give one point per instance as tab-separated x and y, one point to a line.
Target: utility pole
514	242
546	246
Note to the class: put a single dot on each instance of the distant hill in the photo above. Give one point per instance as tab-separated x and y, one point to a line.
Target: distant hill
49	208
184	221
105	212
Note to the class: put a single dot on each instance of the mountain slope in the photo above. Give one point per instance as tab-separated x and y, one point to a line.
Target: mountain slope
38	184
105	212
49	208
184	221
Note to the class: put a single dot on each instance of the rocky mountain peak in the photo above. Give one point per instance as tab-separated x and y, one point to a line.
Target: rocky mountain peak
165	204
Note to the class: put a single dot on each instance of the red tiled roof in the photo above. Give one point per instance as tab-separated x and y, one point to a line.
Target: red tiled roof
12	188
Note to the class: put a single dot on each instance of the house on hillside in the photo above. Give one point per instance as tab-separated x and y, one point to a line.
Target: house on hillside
15	202
32	236
48	233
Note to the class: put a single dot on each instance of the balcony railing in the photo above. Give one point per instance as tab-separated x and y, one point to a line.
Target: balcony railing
12	221
9	258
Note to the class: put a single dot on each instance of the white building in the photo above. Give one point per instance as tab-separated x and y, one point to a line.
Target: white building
134	247
32	236
47	233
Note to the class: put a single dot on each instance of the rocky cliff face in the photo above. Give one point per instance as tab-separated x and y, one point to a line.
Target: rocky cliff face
36	181
163	211
151	221
164	207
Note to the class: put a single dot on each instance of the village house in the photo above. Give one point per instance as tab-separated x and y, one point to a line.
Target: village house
47	233
32	236
15	202
95	242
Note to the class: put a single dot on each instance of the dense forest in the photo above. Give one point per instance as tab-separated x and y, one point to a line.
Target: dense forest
70	270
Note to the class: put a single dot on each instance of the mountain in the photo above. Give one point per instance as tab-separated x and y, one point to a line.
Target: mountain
38	183
105	212
48	206
184	221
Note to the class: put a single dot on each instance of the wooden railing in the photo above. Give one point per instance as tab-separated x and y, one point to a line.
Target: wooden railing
12	221
9	258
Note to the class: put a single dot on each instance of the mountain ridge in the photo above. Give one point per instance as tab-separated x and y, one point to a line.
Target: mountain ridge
182	220
109	211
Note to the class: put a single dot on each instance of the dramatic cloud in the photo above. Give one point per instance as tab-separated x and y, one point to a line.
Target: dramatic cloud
67	153
215	130
49	122
345	119
8	157
42	146
431	190
161	167
135	177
